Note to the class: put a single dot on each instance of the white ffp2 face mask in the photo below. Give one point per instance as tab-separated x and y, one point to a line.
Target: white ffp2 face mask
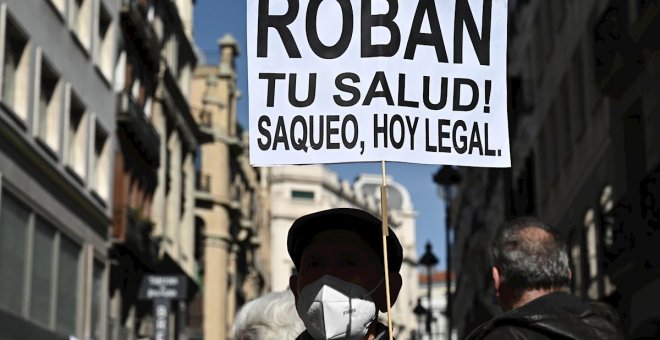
332	308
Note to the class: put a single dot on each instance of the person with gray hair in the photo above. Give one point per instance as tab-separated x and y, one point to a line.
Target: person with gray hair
531	276
270	317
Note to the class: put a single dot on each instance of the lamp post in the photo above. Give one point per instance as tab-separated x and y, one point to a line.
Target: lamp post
429	260
419	311
446	178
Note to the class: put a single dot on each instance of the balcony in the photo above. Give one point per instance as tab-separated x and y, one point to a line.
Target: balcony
133	232
131	118
203	189
139	31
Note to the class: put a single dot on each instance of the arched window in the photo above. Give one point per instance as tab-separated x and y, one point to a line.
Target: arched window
576	261
606	203
591	239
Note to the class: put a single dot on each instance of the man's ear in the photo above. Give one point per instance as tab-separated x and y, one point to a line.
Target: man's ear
496	279
293	285
395	287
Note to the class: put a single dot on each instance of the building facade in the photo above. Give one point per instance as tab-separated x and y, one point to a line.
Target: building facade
232	201
153	225
438	305
57	123
300	190
583	117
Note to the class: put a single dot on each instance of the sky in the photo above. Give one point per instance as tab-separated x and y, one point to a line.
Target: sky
214	18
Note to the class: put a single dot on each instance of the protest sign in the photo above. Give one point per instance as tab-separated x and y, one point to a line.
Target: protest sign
378	80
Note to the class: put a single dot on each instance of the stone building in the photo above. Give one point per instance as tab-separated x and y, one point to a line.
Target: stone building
583	117
57	123
438	306
300	190
153	226
232	201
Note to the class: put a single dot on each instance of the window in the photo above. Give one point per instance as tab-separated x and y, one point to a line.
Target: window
147	107
53	298
77	137
59	5
42	272
14	219
171	54
184	80
304	195
592	252
67	287
15	69
576	259
606	206
135	87
48	110
120	71
80	14
104	42
97	300
151	11
101	166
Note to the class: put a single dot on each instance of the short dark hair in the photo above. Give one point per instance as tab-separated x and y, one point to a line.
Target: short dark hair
529	259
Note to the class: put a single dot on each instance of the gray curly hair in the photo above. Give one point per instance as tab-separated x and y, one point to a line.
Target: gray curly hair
270	317
530	254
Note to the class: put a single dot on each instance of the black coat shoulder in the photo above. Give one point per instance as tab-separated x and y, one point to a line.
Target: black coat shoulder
553	316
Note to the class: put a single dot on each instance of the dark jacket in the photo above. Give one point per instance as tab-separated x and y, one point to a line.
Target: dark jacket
553	316
381	333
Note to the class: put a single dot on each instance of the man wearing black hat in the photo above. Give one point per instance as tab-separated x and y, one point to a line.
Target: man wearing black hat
340	283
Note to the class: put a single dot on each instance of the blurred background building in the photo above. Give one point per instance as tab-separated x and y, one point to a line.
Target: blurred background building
233	207
583	117
153	227
57	128
437	282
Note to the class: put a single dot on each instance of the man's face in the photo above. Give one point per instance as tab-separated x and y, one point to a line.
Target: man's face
342	254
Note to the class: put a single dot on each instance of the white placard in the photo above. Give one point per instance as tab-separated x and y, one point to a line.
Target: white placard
335	81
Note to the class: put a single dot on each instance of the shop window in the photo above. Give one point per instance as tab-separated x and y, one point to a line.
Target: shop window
97	300
43	252
68	288
14	220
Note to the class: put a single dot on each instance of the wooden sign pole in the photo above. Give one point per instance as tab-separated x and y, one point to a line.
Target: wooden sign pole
383	209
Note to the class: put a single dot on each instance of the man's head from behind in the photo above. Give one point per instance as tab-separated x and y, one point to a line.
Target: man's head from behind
344	244
530	259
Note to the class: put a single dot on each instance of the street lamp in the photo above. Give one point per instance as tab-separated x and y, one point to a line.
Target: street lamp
446	178
429	260
419	311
